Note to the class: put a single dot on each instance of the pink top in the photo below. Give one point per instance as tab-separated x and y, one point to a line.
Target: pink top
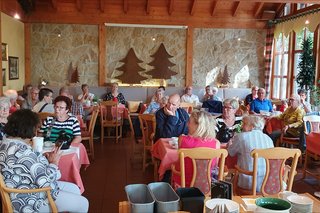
192	142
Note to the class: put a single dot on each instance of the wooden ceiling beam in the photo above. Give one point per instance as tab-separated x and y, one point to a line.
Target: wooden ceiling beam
235	8
54	4
276	1
148	7
101	5
125	6
170	7
214	7
258	9
193	7
279	9
79	5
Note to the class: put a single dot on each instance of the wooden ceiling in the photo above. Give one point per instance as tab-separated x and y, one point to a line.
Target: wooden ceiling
192	13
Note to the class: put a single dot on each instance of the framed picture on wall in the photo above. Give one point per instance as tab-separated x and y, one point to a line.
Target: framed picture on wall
4	77
13	68
4	51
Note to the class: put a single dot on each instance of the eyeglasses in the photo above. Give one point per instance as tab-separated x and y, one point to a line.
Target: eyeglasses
59	107
228	108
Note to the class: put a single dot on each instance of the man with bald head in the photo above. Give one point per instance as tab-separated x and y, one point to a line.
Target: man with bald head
171	120
260	103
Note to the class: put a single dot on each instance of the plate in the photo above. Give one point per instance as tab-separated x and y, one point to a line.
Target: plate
249	204
298	199
231	205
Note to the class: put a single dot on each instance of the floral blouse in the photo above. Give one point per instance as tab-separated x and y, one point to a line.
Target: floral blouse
22	168
120	97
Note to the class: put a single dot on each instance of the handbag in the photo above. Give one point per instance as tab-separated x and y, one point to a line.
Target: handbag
221	189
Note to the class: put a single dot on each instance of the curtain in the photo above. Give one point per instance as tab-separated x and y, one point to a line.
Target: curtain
268	60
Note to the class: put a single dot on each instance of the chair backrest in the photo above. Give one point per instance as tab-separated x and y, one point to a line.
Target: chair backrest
202	160
187	106
110	113
44	115
311	123
213	106
148	128
93	120
6	201
275	159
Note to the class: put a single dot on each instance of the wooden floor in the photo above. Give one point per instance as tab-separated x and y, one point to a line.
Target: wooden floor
111	171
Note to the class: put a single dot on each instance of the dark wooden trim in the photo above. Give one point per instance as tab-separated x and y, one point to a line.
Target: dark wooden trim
79	5
193	7
125	6
258	9
214	7
297	12
235	8
27	52
189	56
148	7
279	10
54	4
171	7
102	5
292	47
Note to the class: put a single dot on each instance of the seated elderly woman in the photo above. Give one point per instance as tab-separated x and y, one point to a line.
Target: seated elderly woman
62	121
201	134
4	113
156	103
228	123
243	143
211	94
291	118
32	170
13	96
114	95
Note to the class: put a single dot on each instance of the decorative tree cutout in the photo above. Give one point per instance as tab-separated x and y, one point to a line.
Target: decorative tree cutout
225	76
131	69
73	75
161	64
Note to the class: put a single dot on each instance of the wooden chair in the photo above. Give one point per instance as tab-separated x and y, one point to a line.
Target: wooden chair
87	134
111	117
43	115
311	128
6	201
148	128
187	106
276	169
202	161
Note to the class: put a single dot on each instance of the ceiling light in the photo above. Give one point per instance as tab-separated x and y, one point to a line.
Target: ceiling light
16	16
307	21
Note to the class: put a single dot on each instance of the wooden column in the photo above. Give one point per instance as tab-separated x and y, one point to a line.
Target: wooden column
189	56
27	41
102	55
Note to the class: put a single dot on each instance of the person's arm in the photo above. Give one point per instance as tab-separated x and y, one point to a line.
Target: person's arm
234	147
165	124
76	131
299	121
252	106
306	106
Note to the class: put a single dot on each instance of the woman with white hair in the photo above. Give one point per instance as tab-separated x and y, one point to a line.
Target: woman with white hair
211	94
201	134
13	96
4	113
292	120
243	143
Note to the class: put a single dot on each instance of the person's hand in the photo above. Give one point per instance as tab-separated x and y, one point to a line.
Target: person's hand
285	128
169	112
54	156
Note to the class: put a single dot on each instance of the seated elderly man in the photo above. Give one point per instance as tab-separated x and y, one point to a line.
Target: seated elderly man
260	103
243	143
171	120
188	97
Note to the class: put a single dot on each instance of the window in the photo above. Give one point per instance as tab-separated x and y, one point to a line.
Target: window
280	68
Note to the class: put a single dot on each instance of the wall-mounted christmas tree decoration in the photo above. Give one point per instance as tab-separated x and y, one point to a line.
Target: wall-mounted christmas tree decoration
131	69
161	64
225	80
73	75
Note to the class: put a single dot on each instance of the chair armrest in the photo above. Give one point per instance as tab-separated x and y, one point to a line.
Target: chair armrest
26	191
174	171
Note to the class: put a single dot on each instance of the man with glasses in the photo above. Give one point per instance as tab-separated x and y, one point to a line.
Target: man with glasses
45	103
260	103
188	97
171	120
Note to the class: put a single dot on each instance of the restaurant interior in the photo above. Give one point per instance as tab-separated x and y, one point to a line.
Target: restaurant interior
231	48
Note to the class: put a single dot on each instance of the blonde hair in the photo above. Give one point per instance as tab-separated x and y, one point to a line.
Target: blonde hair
233	102
206	124
255	121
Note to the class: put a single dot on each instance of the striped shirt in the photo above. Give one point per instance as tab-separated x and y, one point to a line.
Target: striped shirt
242	145
71	126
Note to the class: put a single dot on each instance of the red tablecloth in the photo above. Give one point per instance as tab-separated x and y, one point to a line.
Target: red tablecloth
313	142
168	155
273	124
70	165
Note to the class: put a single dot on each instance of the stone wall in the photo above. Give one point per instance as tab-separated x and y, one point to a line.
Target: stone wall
55	46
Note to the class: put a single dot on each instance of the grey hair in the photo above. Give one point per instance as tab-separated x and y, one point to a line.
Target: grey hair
11	93
256	121
4	101
206	124
232	101
296	98
215	89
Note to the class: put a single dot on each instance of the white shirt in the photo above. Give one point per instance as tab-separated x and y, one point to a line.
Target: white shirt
190	99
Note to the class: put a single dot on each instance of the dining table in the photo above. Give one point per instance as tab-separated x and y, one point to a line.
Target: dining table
71	162
168	155
124	206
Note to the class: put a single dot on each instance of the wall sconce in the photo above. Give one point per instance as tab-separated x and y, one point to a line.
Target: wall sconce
43	82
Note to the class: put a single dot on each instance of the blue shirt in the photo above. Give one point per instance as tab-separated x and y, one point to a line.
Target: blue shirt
152	108
242	145
257	105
